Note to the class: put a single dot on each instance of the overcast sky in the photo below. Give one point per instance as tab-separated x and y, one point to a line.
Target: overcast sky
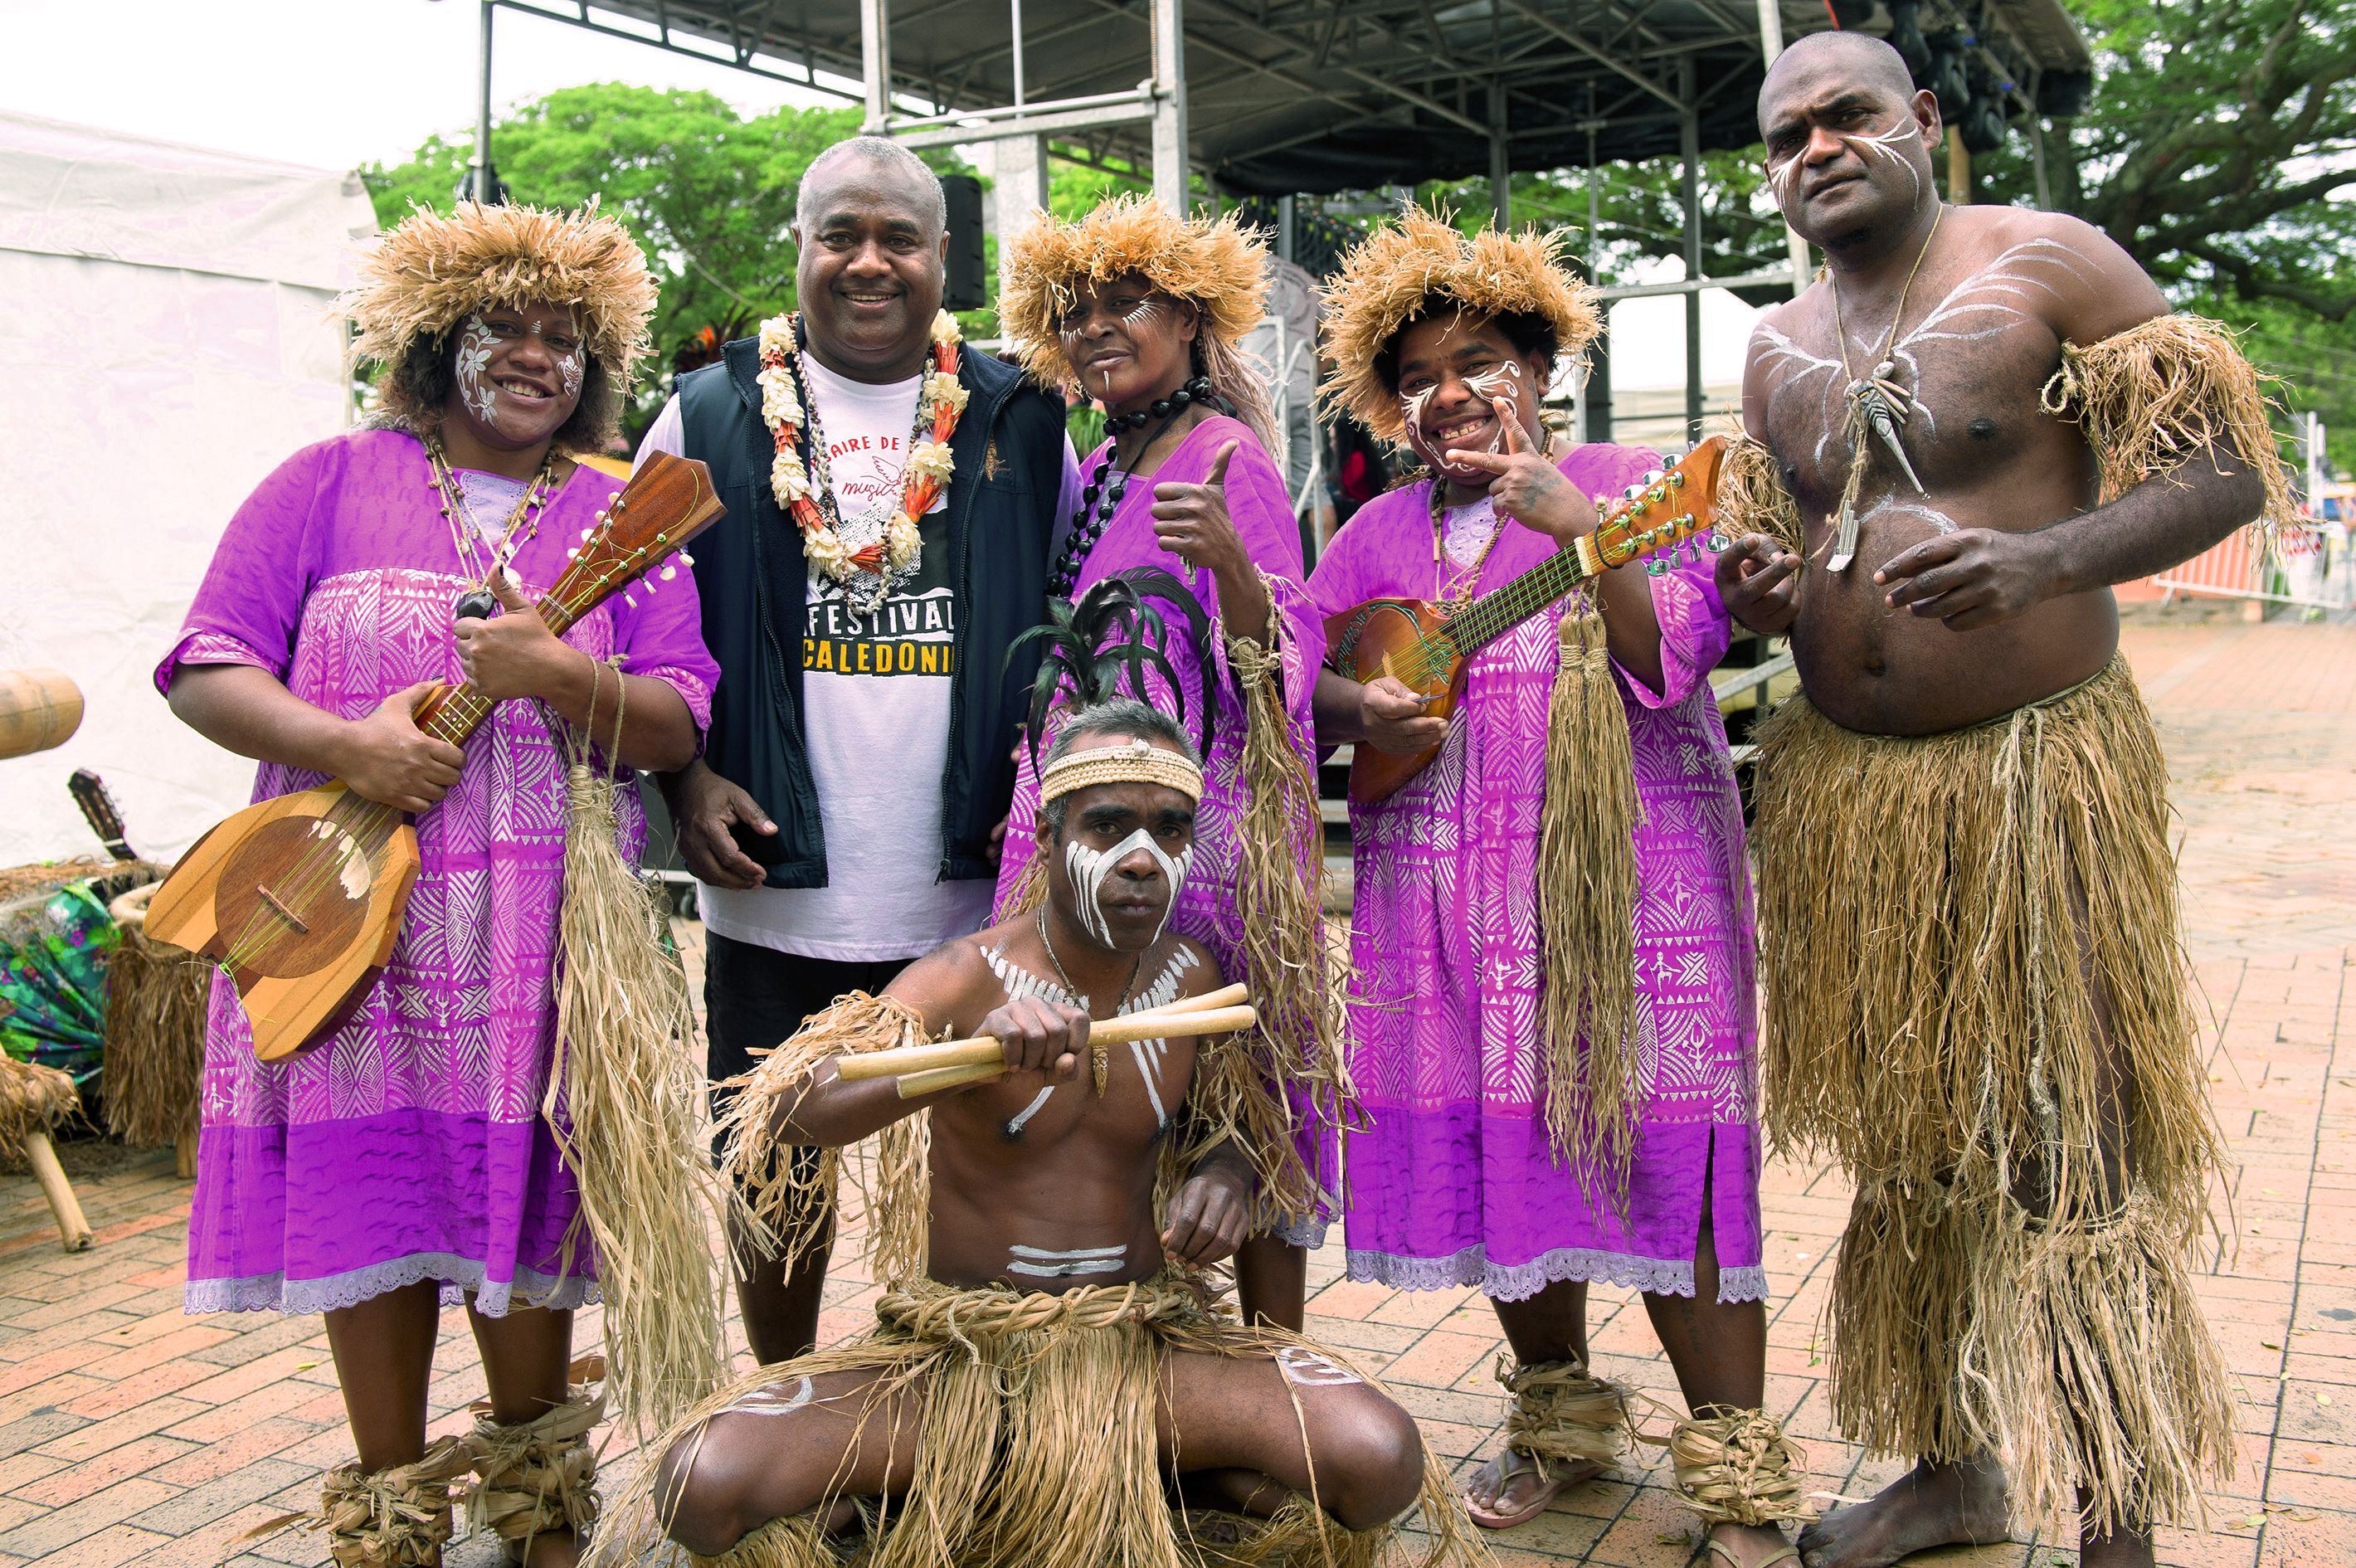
331	83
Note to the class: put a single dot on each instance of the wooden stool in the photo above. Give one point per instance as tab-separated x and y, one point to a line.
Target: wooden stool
33	1100
155	999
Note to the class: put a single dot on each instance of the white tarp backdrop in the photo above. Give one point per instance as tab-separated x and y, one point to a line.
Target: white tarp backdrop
166	341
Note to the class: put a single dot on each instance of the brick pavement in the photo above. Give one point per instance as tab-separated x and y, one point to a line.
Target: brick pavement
131	1434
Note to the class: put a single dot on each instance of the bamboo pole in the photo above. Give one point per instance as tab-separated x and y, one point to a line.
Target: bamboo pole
42	1156
985	1050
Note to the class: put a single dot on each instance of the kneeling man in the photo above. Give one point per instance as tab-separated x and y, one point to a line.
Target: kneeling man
1048	1383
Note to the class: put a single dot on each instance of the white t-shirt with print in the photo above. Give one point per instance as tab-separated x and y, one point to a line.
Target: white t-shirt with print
875	713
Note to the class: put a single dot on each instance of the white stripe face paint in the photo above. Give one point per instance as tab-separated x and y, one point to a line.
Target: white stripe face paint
775	1399
1497	389
572	367
1304	1368
1040	1262
1783	177
1091	870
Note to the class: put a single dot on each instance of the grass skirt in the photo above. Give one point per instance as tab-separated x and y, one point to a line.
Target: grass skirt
1932	910
1038	1448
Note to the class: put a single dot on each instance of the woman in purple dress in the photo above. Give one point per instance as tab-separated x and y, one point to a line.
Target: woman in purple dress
1143	313
401	1162
1491	1159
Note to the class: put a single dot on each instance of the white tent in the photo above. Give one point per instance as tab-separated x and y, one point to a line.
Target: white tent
166	341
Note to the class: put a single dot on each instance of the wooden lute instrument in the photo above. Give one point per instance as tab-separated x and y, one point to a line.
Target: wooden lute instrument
299	898
1424	645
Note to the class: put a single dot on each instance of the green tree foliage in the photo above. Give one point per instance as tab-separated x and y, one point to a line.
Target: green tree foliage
707	192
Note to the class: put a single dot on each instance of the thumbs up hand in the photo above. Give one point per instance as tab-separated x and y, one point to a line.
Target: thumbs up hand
515	654
1193	523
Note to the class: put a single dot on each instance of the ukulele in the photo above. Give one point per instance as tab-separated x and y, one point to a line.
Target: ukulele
299	899
1425	645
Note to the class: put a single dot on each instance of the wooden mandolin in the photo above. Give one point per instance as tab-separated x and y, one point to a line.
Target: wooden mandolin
1425	645
299	898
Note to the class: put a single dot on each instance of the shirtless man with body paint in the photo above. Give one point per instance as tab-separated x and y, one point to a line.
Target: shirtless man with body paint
1990	588
1040	1184
1978	591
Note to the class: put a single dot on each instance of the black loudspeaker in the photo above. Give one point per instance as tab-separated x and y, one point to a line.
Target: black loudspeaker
966	283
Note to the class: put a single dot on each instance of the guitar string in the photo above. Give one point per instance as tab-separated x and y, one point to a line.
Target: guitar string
329	856
1493	614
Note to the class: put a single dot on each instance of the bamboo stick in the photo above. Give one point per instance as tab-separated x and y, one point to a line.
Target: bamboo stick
42	1156
1153	1026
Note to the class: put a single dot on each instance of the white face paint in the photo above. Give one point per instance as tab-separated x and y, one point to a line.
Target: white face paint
475	342
1306	1369
572	366
1783	177
1497	388
1091	870
1040	1262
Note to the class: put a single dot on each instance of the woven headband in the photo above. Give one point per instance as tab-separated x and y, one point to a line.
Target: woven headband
1134	762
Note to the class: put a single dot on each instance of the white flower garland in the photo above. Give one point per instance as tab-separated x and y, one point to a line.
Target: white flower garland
940	402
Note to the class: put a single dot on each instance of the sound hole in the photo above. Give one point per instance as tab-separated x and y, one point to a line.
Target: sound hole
292	898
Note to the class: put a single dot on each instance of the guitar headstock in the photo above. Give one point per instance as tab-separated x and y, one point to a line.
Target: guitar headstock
667	501
1669	508
98	809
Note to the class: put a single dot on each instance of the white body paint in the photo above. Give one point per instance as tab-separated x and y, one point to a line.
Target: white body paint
1991	300
1149	1055
775	1399
1091	869
1306	1369
1040	1262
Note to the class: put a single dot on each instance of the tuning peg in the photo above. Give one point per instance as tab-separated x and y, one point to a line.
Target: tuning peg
1633	492
1654	475
587	534
1677	480
630	601
689	559
669	571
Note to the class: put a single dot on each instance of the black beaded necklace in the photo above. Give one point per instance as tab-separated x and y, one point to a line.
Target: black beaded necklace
1199	389
1101	497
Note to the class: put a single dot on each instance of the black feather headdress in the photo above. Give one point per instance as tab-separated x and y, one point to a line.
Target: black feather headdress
1102	645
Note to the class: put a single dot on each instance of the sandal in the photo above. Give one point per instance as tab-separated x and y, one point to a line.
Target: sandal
1550	1487
1789	1554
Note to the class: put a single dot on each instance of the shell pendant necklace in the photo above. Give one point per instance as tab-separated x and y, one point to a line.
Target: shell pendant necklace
1877	406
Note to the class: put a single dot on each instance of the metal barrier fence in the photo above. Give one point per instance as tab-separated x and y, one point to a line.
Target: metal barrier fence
2311	564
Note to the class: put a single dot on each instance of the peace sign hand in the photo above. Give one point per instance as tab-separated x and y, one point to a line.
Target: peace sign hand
1191	522
1528	488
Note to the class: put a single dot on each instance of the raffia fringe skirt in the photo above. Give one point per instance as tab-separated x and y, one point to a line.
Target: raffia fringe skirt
1038	1446
1977	998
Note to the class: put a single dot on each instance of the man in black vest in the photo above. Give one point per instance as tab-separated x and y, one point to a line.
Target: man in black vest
844	816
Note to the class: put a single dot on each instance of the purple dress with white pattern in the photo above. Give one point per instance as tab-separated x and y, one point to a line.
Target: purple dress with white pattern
408	1144
1455	1183
1262	514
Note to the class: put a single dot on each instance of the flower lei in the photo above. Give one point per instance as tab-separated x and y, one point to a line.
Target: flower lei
942	400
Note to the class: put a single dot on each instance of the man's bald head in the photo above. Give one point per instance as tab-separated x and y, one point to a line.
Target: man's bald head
1854	59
